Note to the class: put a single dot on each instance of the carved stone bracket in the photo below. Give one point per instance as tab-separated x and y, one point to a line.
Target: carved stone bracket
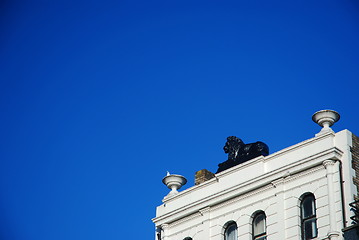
328	163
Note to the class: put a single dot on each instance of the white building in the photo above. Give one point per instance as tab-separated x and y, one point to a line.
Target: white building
300	192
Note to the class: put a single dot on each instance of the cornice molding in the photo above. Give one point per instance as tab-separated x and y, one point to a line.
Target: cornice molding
288	173
328	162
186	219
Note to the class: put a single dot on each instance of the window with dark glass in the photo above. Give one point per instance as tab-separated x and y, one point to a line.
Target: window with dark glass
308	217
231	232
187	238
259	226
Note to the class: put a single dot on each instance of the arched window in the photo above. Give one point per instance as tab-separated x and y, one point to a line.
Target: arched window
308	217
231	231
187	238
259	226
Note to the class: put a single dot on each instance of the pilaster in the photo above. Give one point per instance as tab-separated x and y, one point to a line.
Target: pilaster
334	233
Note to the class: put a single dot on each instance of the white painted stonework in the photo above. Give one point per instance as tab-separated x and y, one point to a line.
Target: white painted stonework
273	184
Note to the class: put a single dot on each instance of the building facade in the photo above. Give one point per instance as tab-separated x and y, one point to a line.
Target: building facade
300	192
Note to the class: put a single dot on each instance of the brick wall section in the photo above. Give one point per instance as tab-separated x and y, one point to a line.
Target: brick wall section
202	176
355	161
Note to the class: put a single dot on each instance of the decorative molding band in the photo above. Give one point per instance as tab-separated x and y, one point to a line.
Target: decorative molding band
301	174
243	196
198	214
328	162
164	226
204	210
185	219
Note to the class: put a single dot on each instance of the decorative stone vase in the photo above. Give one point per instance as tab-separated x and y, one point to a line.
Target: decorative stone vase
325	119
174	182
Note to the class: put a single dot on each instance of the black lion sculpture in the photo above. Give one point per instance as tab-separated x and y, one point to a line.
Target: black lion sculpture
239	152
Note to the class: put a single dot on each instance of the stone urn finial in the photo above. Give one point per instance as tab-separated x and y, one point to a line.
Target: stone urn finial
174	182
325	119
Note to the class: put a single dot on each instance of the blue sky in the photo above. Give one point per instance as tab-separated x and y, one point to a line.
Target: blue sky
100	98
